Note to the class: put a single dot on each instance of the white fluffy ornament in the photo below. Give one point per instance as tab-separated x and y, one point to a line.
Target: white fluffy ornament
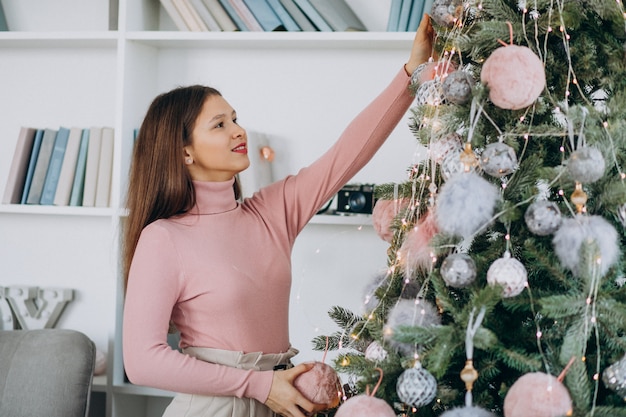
458	270
574	232
515	77
416	386
415	312
498	159
466	204
586	165
509	273
537	394
543	217
467	412
457	87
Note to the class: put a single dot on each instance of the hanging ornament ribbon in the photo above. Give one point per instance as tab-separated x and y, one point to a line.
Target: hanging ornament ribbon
469	374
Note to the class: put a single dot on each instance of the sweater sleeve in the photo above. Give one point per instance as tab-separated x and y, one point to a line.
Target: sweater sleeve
153	287
314	185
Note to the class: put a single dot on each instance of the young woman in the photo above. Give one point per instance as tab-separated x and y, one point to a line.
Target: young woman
218	268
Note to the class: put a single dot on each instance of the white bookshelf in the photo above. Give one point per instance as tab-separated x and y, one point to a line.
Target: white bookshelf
62	65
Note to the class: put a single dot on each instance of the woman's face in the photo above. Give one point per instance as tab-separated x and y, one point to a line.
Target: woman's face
219	146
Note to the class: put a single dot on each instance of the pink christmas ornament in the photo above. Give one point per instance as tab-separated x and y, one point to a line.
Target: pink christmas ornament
537	394
415	251
383	214
514	75
320	385
366	405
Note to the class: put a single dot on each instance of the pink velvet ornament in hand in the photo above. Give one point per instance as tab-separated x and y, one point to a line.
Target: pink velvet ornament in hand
320	385
514	75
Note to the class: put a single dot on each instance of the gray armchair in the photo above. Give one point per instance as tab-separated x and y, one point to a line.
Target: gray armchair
45	373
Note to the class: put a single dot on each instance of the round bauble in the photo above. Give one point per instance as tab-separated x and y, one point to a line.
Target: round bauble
375	352
416	312
430	93
614	377
586	165
370	300
383	214
416	387
458	270
467	412
509	273
574	232
543	217
365	406
515	77
440	148
465	204
452	165
430	71
457	87
498	159
446	12
320	385
537	394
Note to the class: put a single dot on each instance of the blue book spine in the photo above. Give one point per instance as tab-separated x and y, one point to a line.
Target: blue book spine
394	15
417	11
54	167
264	14
313	15
234	16
3	19
405	12
284	16
76	198
428	7
31	164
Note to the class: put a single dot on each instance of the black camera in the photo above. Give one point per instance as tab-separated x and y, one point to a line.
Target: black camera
356	198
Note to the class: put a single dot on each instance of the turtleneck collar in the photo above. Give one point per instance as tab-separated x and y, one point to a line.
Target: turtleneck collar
214	197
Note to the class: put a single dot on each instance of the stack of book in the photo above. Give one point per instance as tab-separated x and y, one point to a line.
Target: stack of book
263	15
61	167
406	15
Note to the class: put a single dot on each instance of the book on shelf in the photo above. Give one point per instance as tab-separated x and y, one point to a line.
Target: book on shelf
339	15
394	15
220	15
190	16
91	167
265	15
288	21
68	168
31	164
294	11
246	15
19	166
232	13
78	185
41	166
415	17
105	168
54	167
405	13
206	16
175	15
313	15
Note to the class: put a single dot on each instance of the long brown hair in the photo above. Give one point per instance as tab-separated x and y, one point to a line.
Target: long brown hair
159	184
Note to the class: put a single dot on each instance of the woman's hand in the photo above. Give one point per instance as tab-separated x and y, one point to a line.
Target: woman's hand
422	45
285	399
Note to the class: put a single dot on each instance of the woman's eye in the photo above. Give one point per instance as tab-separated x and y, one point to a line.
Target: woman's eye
235	120
221	124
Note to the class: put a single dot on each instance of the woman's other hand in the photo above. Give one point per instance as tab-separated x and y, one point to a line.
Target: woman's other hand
423	44
285	399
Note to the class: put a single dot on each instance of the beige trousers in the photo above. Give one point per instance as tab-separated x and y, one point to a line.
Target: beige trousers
188	405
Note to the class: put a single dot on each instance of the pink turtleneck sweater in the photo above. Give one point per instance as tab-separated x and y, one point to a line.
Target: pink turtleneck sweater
222	272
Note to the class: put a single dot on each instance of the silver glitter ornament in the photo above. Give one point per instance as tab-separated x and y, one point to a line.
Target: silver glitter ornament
543	217
498	159
458	270
440	148
457	87
416	387
451	164
614	377
586	165
375	352
431	93
509	273
446	12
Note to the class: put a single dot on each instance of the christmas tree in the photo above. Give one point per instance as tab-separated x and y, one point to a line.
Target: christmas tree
506	257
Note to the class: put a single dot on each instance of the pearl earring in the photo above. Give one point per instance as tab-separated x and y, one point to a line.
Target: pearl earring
188	161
